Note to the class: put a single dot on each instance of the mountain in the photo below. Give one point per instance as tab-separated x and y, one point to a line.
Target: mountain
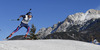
79	26
47	45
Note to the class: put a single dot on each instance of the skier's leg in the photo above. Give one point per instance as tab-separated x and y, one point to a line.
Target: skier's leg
14	31
28	28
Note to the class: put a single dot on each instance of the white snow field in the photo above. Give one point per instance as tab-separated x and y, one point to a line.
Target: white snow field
47	45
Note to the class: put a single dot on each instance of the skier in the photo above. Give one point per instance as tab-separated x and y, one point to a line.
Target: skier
24	23
94	40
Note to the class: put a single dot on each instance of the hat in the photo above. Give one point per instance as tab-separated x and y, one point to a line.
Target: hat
29	13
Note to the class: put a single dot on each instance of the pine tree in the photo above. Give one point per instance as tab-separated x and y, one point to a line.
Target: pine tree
32	32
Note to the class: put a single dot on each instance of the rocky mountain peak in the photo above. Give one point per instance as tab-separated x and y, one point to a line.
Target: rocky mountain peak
92	11
74	21
76	17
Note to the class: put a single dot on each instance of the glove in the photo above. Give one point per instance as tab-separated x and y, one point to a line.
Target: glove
18	19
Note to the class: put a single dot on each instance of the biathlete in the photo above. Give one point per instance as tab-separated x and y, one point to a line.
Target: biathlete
24	23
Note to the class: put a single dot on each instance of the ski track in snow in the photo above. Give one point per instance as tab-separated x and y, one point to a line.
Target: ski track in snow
47	45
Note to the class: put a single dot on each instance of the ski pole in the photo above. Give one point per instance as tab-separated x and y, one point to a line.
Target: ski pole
13	19
30	10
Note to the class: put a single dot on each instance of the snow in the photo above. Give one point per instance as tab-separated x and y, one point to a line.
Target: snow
47	45
88	17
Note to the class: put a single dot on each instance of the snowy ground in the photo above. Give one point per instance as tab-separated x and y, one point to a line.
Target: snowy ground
47	45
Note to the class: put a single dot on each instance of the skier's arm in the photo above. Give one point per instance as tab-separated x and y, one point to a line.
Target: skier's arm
20	17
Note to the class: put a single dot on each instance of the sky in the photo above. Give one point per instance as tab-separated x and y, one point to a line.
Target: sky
45	13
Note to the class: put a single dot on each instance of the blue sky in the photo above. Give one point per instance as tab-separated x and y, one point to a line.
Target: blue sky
45	12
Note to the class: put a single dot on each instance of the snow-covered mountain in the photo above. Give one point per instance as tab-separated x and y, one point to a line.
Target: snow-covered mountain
47	45
75	22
